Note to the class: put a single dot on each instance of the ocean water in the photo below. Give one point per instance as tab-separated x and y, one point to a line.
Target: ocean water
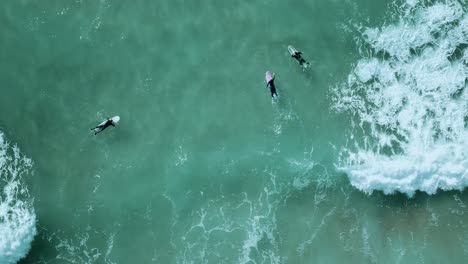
362	159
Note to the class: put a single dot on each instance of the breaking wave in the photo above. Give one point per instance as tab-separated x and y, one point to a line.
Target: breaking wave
17	217
407	95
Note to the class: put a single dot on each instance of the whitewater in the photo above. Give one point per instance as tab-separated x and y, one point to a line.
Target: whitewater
17	217
408	98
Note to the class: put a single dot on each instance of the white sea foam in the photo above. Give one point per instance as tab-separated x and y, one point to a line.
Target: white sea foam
242	226
17	218
410	100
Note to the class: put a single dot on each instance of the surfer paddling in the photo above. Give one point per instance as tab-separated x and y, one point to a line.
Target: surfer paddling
298	56
108	122
270	79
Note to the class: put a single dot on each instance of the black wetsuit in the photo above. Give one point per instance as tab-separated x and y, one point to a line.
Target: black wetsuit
271	85
100	128
298	57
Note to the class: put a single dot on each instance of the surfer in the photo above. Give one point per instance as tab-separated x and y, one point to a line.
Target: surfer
271	85
103	125
298	56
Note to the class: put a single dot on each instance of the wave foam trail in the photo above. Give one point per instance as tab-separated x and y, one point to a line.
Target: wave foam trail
409	97
17	217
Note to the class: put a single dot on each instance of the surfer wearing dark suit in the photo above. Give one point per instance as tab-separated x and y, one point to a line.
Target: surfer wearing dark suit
298	57
271	85
100	128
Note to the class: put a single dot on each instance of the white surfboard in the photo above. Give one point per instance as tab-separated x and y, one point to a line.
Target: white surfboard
292	50
115	119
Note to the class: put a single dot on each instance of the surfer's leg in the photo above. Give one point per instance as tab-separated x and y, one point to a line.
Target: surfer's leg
99	130
273	93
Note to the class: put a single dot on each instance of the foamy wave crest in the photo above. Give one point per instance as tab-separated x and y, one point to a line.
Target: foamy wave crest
17	217
409	97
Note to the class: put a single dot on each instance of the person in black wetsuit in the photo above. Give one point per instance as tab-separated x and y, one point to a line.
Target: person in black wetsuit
298	57
271	85
101	128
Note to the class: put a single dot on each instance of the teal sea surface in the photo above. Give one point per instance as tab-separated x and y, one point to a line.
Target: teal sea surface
363	158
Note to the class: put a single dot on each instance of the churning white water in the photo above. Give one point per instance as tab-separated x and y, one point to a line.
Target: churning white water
409	99
17	217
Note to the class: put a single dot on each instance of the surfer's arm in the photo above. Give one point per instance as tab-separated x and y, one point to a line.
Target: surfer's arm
296	54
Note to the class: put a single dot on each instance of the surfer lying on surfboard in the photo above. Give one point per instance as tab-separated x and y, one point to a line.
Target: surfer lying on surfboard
297	55
108	122
271	83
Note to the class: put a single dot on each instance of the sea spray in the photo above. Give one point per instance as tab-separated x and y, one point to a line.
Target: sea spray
17	217
408	98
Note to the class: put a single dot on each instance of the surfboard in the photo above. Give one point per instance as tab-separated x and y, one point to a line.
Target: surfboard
268	76
115	119
292	50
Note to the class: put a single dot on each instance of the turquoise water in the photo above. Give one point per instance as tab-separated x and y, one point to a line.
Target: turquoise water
204	167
